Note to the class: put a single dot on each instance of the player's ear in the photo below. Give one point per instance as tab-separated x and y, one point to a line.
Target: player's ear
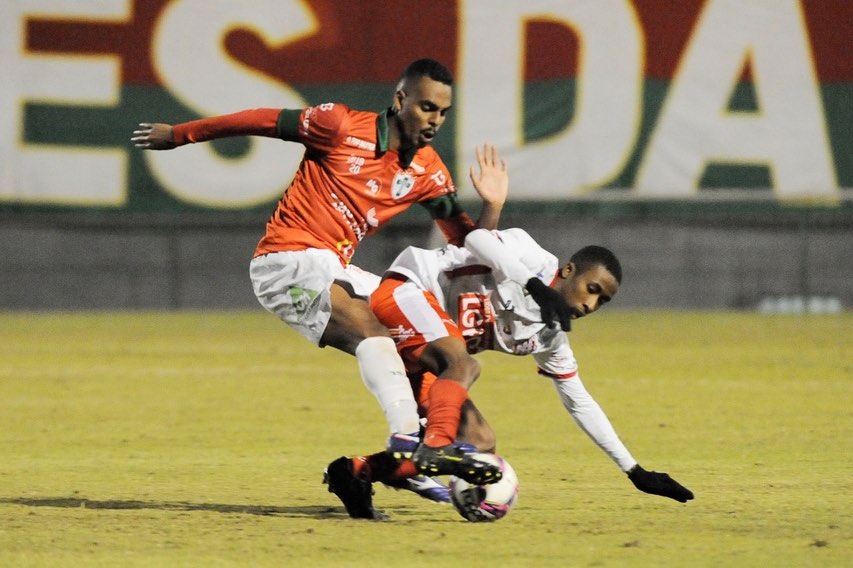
397	103
567	269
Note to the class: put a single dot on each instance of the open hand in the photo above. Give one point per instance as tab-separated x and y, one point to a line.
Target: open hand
492	183
153	136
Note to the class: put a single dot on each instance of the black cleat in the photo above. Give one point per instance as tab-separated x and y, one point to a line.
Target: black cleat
356	494
453	460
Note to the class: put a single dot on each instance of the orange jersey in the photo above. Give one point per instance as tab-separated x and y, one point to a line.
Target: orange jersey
349	182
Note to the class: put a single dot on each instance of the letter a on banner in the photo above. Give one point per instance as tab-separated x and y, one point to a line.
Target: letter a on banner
787	132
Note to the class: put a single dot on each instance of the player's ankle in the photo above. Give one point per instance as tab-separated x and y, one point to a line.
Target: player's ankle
437	440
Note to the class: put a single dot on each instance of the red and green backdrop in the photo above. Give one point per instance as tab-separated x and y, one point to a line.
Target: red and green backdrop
587	99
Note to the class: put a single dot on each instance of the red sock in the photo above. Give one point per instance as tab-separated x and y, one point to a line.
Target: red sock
381	467
404	469
445	410
361	467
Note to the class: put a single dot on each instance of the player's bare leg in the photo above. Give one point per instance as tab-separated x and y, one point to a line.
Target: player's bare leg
438	454
475	430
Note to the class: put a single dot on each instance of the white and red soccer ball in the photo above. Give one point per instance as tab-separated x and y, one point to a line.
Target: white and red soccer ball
486	503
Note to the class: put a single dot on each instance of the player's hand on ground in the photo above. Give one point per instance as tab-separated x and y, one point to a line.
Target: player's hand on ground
492	182
153	136
551	304
657	483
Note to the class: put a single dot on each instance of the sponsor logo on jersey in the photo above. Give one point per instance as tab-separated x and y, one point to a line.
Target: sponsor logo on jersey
476	321
355	163
301	299
373	186
402	185
345	248
357	226
439	177
371	217
526	347
400	333
359	143
306	119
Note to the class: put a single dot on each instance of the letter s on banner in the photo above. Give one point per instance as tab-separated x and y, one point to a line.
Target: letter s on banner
190	57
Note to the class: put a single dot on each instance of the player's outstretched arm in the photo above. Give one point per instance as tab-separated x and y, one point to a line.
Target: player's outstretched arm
252	122
657	483
491	183
154	136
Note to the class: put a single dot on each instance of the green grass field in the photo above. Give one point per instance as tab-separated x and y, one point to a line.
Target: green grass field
198	439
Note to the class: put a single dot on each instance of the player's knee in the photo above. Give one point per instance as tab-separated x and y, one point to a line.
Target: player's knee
483	439
351	322
465	370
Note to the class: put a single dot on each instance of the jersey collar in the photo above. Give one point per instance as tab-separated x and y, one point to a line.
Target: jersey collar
382	138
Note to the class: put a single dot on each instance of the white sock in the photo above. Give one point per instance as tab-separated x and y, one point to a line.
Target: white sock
384	375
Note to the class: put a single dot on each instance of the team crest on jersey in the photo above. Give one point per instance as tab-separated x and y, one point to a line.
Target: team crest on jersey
402	185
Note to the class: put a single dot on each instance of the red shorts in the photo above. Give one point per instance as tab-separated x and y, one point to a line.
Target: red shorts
414	318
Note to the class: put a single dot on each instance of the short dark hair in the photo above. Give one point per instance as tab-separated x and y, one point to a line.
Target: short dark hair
591	255
428	68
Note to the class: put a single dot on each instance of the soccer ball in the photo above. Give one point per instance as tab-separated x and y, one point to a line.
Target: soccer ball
485	503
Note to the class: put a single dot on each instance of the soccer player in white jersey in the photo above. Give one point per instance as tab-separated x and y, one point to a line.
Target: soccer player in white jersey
442	305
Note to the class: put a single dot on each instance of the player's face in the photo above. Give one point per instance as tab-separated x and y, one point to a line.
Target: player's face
423	106
585	292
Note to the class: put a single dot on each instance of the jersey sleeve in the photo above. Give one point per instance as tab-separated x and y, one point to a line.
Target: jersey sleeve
320	127
503	258
253	122
512	255
560	366
448	214
557	360
587	414
539	261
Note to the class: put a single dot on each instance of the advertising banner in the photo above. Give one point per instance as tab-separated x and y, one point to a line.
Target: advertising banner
586	99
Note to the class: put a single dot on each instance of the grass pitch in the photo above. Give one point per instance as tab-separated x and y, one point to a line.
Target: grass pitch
198	439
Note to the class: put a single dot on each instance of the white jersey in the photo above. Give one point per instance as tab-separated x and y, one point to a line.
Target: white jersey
492	311
481	287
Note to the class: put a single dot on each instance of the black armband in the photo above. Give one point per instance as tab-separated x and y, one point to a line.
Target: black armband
443	207
287	126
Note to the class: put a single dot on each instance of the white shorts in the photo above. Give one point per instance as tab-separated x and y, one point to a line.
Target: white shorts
295	286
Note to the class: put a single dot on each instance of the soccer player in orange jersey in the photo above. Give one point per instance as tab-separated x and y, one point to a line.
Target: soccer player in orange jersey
359	170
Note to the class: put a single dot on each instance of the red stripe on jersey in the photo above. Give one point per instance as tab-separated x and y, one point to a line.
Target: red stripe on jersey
571	375
468	271
554	279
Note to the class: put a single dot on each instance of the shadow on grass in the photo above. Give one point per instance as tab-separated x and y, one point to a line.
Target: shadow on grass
315	511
